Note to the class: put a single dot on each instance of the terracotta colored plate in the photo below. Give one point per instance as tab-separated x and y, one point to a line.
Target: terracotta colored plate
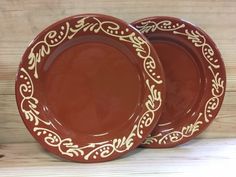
89	88
195	79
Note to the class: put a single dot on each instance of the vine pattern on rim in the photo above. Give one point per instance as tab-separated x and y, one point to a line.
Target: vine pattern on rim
47	130
199	41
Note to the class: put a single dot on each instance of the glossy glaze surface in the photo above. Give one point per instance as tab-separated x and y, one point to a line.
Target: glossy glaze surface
195	79
90	88
183	81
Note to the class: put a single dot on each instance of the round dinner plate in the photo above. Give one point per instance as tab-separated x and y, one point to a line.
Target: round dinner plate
195	79
89	88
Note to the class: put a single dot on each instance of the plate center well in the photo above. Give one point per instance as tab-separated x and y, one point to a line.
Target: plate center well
92	87
183	81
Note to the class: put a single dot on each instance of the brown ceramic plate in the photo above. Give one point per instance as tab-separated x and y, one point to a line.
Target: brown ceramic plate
89	88
195	79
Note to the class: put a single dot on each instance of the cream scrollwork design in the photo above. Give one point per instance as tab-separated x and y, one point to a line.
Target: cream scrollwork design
199	40
144	52
101	149
116	145
152	26
208	53
217	92
195	36
42	48
82	24
29	103
152	104
65	146
175	136
95	25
